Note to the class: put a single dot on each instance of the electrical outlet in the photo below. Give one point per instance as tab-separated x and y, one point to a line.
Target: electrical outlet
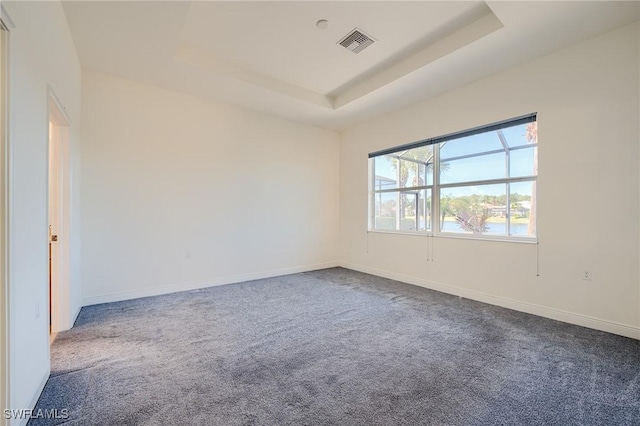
586	275
187	254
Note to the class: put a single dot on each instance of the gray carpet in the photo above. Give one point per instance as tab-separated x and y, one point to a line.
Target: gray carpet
335	347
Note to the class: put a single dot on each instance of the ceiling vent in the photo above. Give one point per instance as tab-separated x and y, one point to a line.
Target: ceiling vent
356	41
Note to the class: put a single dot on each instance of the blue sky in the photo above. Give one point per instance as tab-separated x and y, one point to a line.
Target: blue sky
480	168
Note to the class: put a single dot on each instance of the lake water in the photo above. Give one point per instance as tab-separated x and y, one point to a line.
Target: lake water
517	229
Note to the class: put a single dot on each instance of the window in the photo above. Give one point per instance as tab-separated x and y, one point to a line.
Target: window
479	182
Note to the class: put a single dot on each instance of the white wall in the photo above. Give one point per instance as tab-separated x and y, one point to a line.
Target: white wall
180	193
587	99
42	55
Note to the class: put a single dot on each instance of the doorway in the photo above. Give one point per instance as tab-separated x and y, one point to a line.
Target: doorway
58	217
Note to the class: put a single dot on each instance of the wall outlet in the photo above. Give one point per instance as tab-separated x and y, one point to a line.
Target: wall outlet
586	275
187	254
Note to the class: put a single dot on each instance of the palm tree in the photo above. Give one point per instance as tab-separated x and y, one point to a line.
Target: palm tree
418	163
411	161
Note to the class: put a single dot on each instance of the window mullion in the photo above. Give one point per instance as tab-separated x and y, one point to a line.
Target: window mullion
372	195
405	189
417	210
508	198
488	182
436	227
427	214
398	196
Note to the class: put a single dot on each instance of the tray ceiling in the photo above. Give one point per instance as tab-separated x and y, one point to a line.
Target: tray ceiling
271	56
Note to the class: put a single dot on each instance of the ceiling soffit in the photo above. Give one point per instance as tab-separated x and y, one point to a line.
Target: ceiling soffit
467	24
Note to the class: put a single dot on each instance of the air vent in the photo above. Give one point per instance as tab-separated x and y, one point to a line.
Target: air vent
356	41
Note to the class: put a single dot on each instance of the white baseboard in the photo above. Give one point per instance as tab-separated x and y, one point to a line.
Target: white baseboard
517	305
75	316
194	285
32	404
530	308
66	325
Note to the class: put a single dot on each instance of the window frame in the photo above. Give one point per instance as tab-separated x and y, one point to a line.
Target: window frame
433	218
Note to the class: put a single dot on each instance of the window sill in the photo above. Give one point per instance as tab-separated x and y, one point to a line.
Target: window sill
497	238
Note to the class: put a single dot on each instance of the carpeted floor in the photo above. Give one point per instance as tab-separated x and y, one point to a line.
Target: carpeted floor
335	347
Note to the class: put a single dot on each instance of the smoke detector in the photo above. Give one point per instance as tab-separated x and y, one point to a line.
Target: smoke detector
356	41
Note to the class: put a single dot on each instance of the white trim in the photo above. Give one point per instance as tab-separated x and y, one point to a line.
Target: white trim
517	305
460	236
409	233
194	285
61	108
6	19
638	32
75	316
487	237
5	309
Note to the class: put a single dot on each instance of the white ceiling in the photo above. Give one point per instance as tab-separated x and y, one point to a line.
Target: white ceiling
280	38
269	56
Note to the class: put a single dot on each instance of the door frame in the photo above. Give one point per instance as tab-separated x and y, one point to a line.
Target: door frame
59	164
5	306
